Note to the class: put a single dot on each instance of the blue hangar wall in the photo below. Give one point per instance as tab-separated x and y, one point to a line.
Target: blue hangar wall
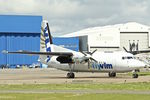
65	42
18	32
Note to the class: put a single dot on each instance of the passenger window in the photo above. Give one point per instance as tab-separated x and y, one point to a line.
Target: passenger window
129	58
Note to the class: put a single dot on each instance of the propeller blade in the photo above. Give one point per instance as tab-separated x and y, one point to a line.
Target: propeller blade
83	53
84	59
125	49
93	59
93	51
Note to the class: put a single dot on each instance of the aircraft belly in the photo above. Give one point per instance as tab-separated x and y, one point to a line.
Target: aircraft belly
80	68
86	68
122	69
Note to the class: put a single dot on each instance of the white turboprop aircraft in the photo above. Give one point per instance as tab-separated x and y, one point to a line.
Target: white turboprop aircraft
73	61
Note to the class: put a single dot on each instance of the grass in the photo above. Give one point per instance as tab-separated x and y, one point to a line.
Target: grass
141	73
61	96
144	73
106	86
75	96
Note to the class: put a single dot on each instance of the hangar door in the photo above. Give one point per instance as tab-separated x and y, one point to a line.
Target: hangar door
134	40
15	42
3	47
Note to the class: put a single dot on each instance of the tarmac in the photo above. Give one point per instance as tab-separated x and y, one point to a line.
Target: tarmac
78	91
53	76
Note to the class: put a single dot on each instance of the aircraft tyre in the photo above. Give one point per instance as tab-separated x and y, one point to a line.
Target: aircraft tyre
70	75
135	75
112	74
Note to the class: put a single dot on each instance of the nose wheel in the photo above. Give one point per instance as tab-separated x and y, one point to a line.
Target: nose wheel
112	74
70	75
135	75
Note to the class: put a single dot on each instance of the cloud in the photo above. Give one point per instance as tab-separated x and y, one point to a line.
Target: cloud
67	16
135	8
17	6
105	20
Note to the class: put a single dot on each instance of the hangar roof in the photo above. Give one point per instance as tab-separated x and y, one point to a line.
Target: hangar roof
127	27
20	24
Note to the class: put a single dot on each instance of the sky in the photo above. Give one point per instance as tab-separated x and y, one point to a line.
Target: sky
67	16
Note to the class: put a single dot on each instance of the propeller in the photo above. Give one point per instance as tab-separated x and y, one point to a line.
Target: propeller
93	51
87	57
125	49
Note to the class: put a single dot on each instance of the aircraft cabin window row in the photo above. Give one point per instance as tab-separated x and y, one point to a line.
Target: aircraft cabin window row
127	58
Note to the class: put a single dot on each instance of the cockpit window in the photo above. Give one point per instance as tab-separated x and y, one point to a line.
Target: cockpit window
127	57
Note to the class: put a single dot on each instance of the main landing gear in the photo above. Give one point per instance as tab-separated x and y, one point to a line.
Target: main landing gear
71	74
112	74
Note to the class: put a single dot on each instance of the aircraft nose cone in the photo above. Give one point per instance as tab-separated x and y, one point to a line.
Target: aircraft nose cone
137	64
142	64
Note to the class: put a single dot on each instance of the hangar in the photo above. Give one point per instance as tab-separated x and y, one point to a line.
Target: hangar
19	32
69	43
114	37
23	32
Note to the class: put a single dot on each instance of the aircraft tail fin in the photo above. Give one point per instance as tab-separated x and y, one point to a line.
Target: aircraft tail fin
47	41
46	38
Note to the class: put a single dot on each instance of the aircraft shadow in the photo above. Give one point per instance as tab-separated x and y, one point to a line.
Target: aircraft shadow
88	77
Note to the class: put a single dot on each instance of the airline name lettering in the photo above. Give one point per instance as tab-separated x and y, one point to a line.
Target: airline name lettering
101	66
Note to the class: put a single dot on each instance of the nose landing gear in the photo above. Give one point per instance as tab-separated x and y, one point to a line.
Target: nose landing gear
135	75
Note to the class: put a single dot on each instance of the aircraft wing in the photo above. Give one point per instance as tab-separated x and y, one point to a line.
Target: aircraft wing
63	57
40	53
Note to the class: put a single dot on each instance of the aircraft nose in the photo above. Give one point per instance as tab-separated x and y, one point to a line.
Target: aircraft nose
142	64
138	64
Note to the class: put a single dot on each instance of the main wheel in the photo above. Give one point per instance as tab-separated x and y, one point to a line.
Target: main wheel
135	75
112	74
70	75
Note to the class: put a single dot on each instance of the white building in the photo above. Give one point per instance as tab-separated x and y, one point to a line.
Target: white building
114	37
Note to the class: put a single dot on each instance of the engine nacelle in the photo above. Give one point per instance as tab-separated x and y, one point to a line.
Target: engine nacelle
64	59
